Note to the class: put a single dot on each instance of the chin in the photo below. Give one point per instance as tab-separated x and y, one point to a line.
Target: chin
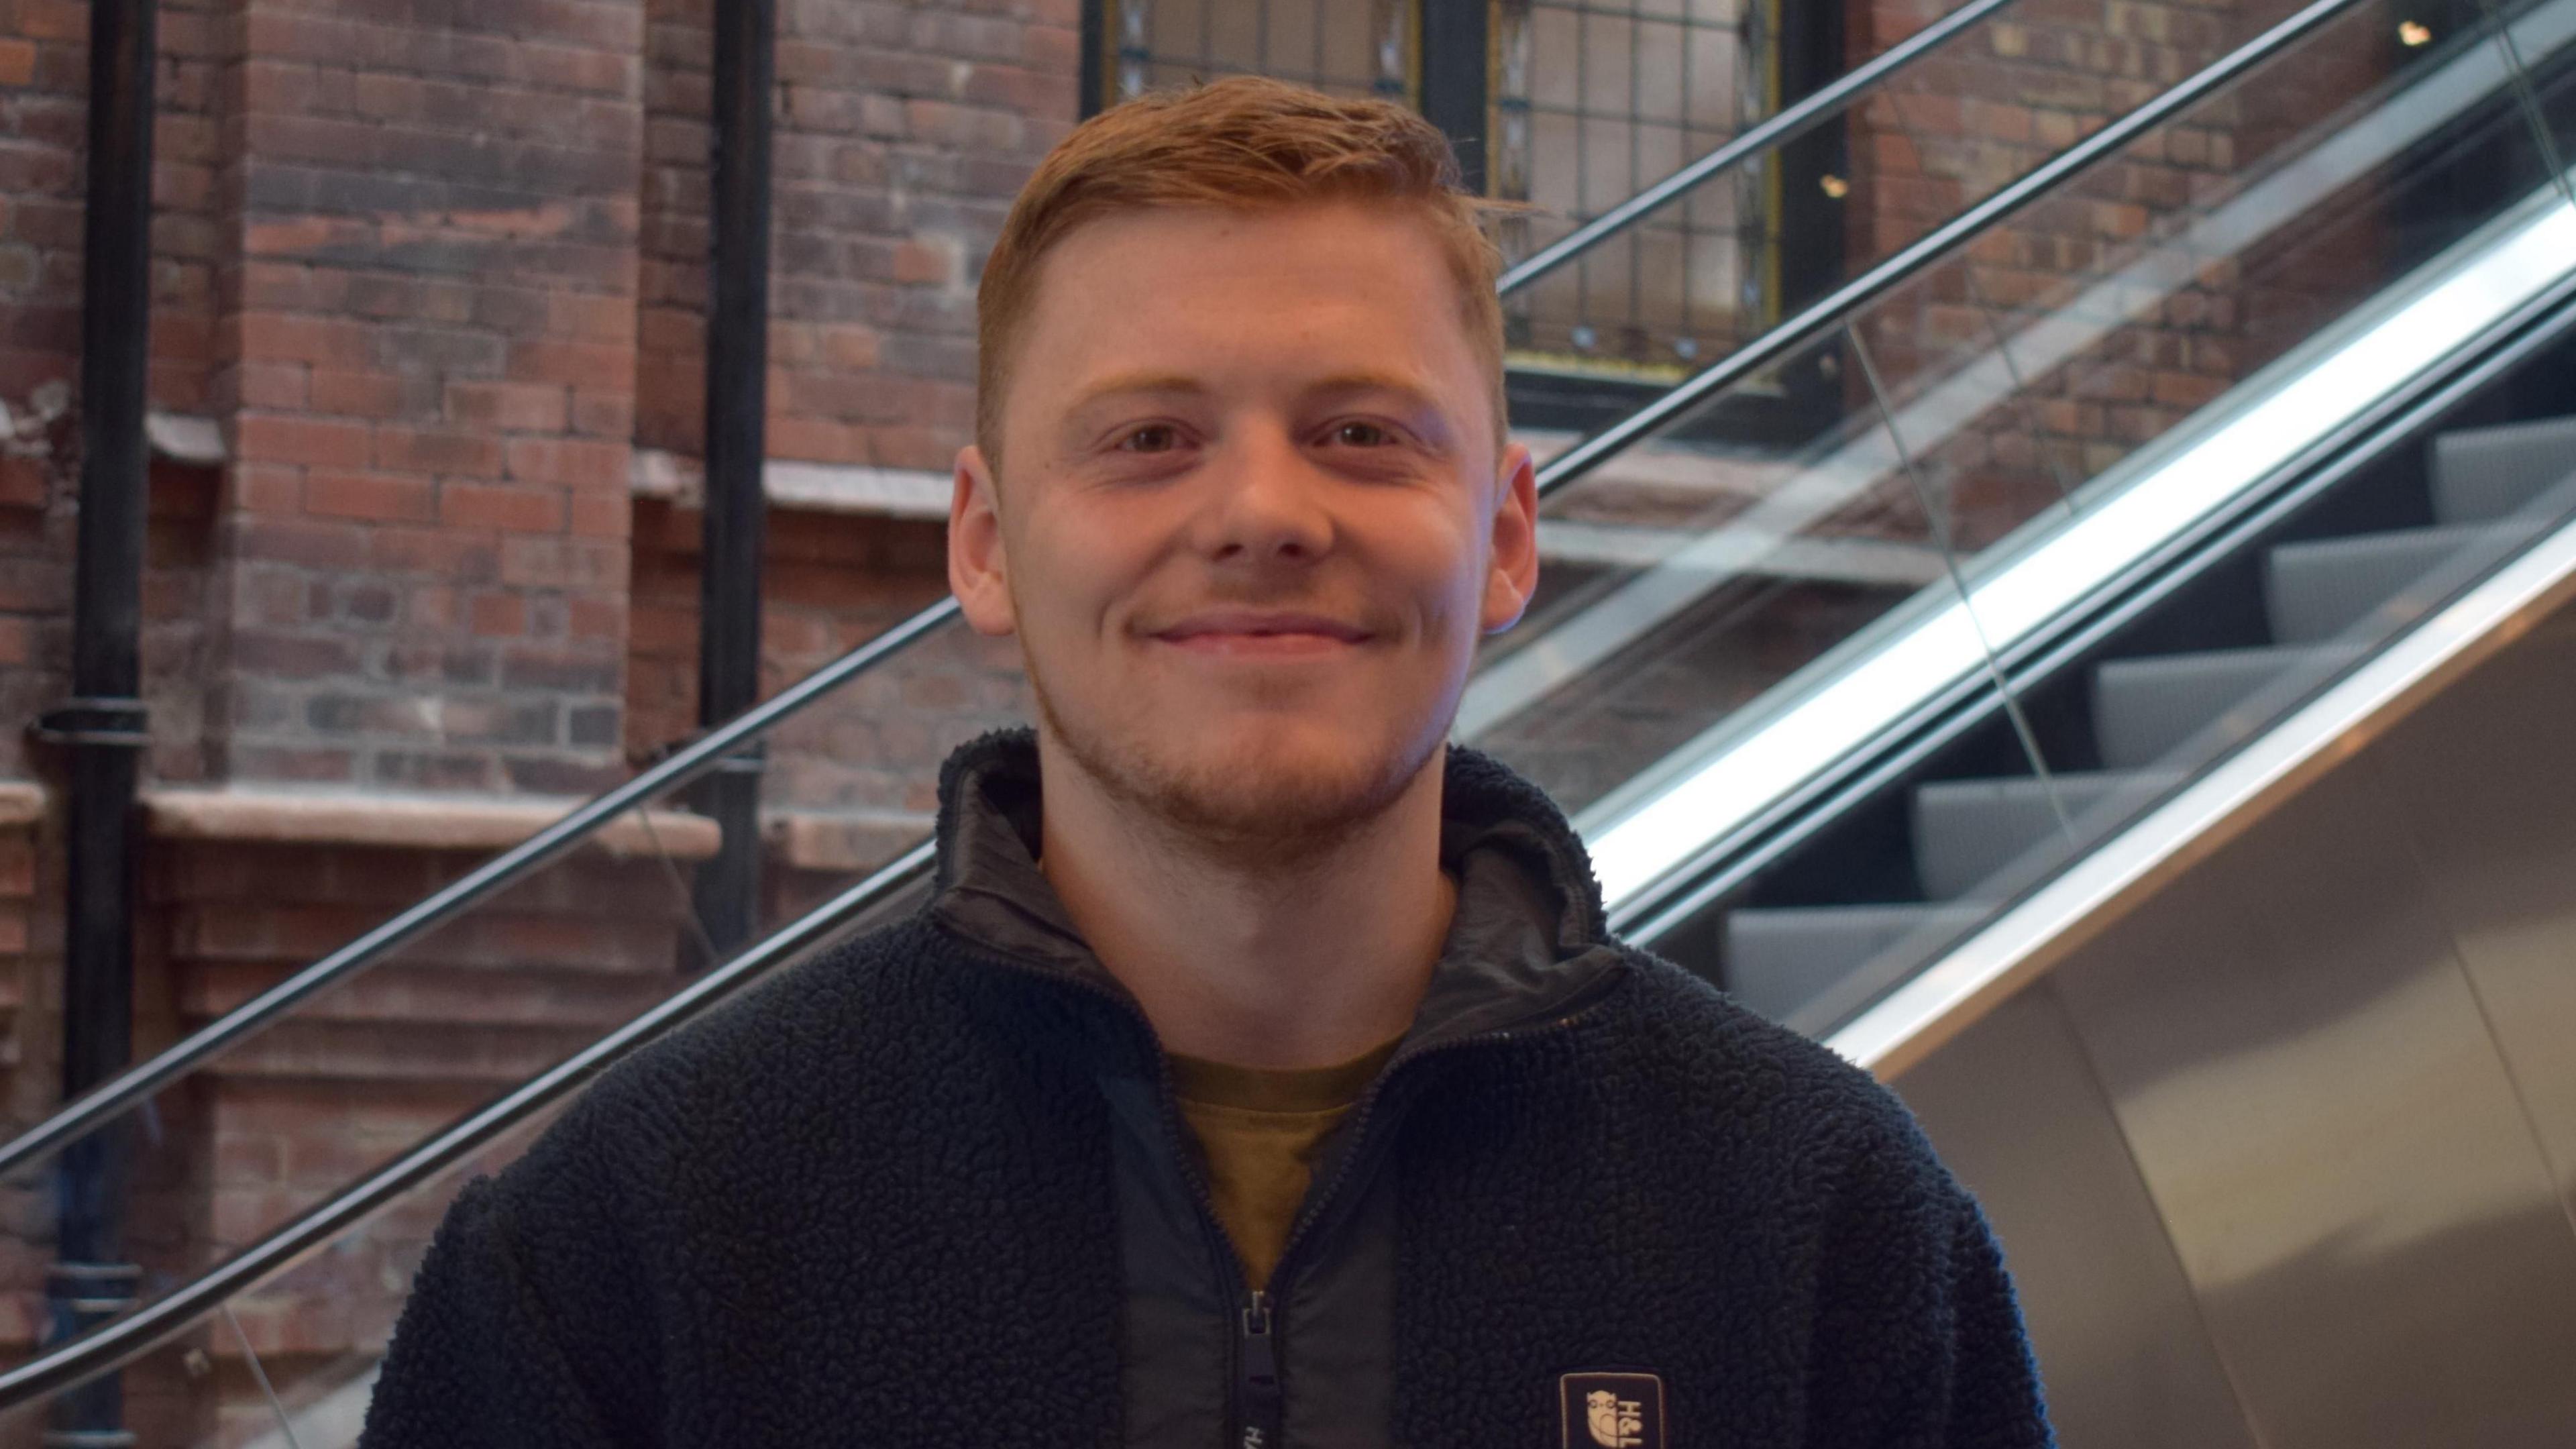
1267	784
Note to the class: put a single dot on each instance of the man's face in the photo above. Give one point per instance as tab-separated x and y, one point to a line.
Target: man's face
1252	517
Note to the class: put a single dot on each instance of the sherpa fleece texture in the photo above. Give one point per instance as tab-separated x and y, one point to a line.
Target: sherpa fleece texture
872	1204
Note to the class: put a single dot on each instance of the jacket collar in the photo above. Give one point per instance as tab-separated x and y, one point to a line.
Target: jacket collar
1526	943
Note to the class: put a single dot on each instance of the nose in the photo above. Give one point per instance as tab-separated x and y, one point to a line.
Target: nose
1265	506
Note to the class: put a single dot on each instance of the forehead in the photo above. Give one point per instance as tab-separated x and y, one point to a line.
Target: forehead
1245	296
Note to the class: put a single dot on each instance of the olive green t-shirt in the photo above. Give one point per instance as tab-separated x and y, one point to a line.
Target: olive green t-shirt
1258	1131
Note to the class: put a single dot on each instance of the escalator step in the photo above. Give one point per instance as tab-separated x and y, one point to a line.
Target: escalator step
1780	958
2316	590
1965	831
2486	473
2143	708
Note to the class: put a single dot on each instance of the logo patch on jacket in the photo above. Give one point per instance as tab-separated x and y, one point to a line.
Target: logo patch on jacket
1612	1410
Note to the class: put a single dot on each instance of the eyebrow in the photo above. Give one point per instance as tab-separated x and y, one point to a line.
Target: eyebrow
1136	384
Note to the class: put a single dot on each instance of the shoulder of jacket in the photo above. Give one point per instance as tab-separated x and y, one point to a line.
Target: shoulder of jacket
1686	1041
827	1007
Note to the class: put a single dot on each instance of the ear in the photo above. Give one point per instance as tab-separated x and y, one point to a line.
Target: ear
1511	574
978	571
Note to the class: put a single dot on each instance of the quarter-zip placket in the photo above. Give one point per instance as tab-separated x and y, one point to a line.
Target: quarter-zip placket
1256	1396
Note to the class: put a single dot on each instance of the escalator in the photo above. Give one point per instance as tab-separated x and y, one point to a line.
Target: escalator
1869	729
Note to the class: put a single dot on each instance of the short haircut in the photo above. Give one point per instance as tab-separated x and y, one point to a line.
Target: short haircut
1242	143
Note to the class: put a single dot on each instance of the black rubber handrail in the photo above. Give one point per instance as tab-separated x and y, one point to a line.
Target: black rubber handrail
85	1113
120	1341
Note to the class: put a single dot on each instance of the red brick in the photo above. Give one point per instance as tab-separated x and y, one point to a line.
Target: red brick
267	488
597	515
598	413
324	341
22	483
580	465
369	495
272	438
440	553
592	318
357	394
564	563
580	364
512	407
509	510
415	450
17	62
595	618
281	386
498	615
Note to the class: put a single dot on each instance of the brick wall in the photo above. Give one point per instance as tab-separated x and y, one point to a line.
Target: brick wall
903	132
433	356
434	273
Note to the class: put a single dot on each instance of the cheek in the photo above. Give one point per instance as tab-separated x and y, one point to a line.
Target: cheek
1075	572
1446	568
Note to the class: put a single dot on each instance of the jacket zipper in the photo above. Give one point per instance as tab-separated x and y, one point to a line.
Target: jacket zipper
1257	1407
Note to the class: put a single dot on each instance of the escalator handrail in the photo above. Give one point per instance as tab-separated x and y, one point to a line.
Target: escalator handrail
121	1341
1780	129
85	1113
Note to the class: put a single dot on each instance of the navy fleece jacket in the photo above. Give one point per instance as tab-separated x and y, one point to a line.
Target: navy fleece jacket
877	1202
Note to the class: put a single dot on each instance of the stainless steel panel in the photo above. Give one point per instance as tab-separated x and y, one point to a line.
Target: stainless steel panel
2335	1148
2484	781
2014	1109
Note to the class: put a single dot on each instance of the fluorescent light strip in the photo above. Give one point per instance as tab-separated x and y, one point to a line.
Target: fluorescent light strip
1945	646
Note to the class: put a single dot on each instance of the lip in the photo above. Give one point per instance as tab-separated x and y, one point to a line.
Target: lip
1260	632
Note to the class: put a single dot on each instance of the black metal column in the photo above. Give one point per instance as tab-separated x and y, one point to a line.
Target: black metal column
101	726
728	886
1457	62
1095	57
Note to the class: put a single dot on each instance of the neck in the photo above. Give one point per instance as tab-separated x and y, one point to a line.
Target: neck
1306	962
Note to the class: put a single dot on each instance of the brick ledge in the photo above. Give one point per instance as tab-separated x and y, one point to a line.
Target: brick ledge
408	821
816	487
842	840
22	802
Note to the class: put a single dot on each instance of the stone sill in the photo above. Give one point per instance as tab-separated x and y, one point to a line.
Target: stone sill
813	487
22	802
409	822
843	841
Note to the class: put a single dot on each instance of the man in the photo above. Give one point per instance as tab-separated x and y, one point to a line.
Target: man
1259	1072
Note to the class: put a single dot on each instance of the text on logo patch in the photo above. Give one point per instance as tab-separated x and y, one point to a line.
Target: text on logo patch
1612	1410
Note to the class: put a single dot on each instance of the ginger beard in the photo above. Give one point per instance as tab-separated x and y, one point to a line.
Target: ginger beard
1266	792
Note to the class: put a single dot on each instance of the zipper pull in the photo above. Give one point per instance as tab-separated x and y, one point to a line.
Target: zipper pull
1257	1395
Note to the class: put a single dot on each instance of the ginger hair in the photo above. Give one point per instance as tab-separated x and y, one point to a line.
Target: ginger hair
1243	143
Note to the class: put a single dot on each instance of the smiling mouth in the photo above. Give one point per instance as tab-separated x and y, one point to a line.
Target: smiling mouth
1261	635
